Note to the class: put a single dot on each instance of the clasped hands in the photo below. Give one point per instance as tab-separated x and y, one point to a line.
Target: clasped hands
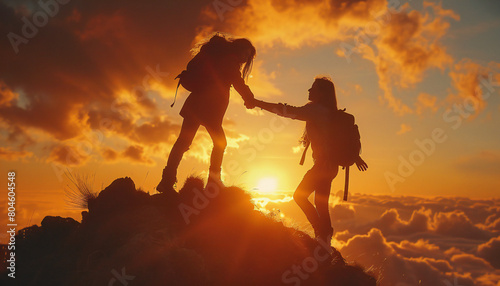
250	103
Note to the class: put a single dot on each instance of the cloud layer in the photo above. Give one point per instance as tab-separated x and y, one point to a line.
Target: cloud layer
439	241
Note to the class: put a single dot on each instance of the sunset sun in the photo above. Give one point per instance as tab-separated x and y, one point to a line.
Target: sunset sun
267	185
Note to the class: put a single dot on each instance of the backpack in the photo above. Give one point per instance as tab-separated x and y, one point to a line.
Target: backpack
344	141
196	76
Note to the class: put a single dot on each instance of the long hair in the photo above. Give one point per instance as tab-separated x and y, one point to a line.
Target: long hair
328	98
241	45
224	44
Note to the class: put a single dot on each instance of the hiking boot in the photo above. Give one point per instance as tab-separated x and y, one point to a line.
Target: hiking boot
164	186
168	180
167	183
215	178
214	183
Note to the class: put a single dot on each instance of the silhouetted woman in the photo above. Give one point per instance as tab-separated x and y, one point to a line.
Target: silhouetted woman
316	113
219	64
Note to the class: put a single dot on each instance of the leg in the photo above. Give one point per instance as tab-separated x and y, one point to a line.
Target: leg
181	145
321	197
220	143
301	195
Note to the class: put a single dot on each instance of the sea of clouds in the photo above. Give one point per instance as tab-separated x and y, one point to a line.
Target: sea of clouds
409	240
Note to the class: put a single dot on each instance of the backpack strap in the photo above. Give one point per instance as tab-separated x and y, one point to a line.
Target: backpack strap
177	89
304	153
346	186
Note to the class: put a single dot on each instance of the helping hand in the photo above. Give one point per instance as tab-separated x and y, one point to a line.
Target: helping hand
362	166
250	103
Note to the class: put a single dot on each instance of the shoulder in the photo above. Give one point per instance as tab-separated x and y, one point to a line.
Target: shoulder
308	107
311	111
317	108
312	106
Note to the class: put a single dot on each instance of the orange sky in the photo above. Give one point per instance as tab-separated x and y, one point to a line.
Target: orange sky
89	93
86	88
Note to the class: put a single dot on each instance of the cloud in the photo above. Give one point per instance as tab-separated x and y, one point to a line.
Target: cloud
342	212
289	23
405	128
473	84
470	263
489	279
374	251
457	224
402	42
67	155
391	224
19	137
13	155
261	82
155	131
107	69
136	153
86	60
490	251
492	223
7	96
342	236
425	219
407	240
409	44
493	217
122	122
425	102
420	248
436	240
298	149
109	154
477	210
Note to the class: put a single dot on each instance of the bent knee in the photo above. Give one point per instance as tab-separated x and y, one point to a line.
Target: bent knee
220	143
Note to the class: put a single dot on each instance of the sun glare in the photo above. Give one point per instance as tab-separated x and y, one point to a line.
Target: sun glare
267	185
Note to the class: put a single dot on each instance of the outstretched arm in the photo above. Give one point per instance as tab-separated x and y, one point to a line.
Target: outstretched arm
276	108
245	92
300	113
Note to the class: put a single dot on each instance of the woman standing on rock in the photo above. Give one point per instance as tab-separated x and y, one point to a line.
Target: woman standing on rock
317	114
220	63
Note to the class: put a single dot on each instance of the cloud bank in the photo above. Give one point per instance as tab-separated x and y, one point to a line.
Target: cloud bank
432	241
407	240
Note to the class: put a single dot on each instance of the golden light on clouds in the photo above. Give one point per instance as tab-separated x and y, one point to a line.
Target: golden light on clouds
401	42
473	85
425	102
405	128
